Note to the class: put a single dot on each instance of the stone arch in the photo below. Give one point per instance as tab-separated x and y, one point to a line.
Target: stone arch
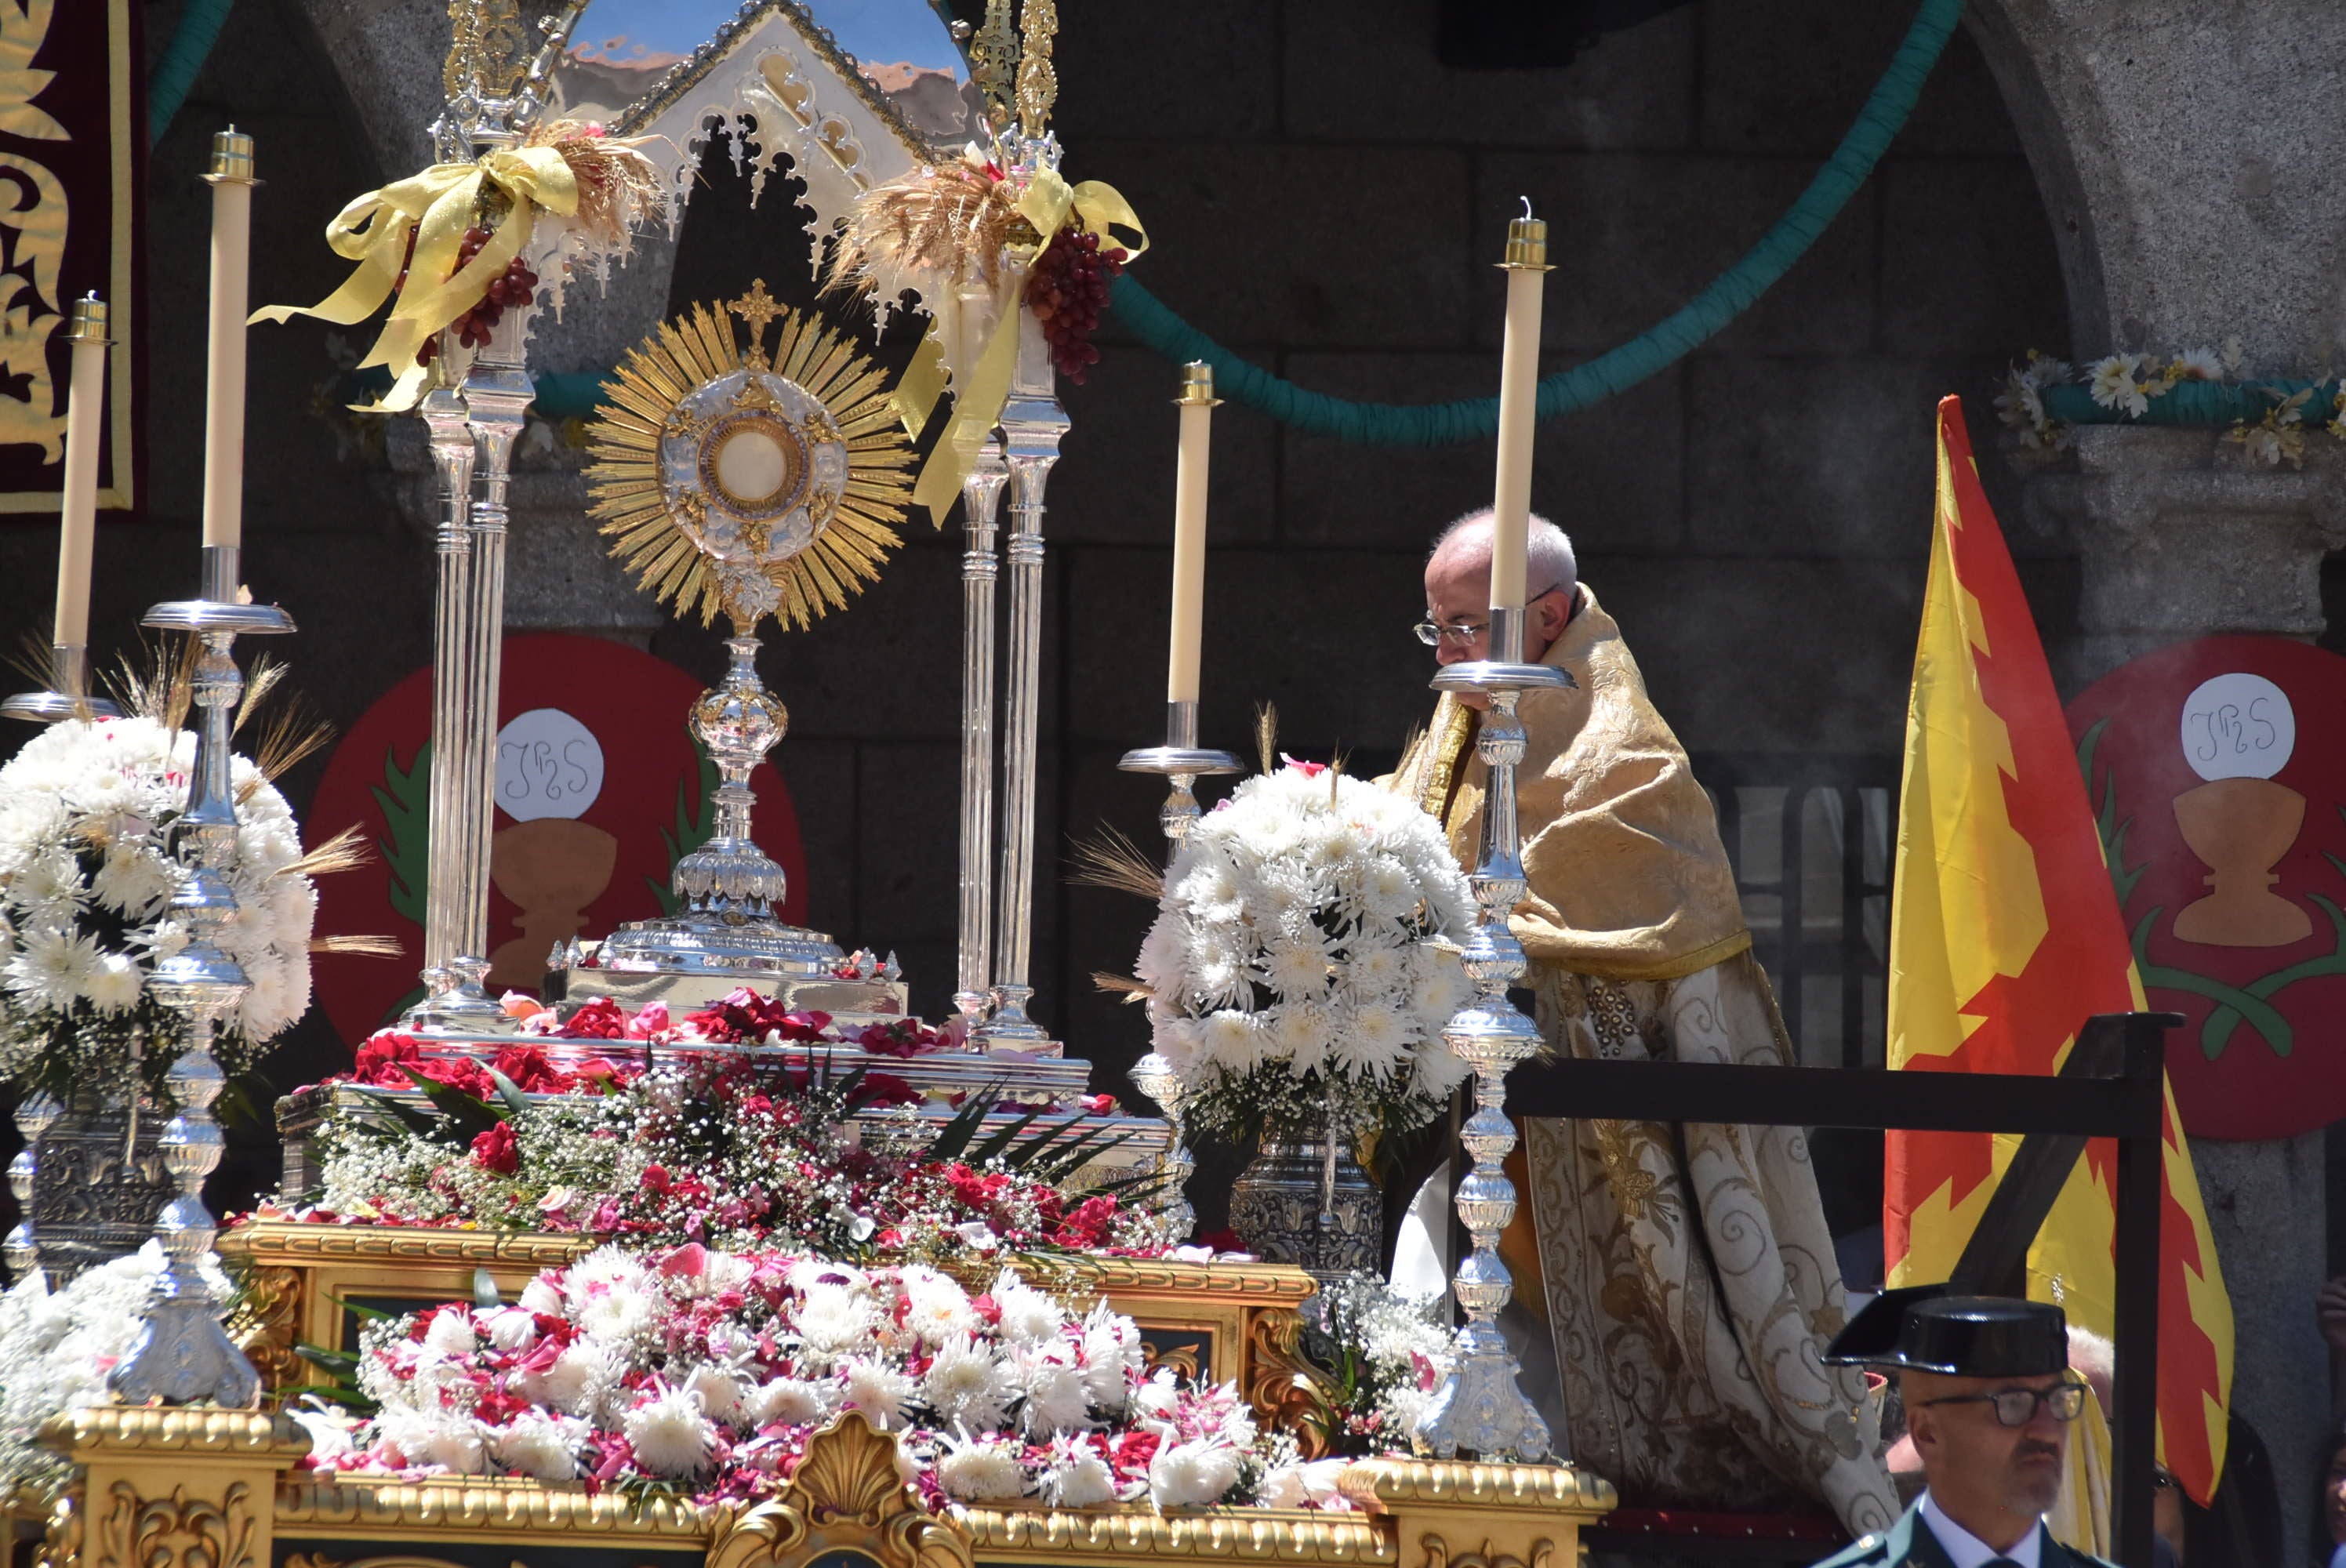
2182	152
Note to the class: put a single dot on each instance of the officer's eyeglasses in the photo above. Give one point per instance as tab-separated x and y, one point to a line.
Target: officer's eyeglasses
2017	1407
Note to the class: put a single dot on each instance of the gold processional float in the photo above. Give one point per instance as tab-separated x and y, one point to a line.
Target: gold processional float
1051	1382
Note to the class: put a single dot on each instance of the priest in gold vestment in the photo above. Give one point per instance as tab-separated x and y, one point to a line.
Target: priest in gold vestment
1684	1273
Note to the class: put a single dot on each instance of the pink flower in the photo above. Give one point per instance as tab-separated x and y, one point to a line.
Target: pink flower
1308	769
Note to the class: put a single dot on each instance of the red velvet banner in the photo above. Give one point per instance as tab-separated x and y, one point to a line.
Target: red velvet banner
73	164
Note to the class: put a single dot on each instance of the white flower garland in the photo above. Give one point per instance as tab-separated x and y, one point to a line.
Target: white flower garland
1303	958
85	879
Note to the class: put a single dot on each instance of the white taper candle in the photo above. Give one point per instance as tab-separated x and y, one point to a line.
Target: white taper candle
85	423
230	177
1511	503
1196	404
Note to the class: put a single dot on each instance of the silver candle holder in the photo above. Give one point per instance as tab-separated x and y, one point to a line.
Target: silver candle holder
1481	1407
67	695
981	499
181	1352
1182	762
1032	420
473	428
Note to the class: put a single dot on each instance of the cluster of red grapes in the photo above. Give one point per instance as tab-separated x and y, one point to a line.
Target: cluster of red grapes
513	285
1066	291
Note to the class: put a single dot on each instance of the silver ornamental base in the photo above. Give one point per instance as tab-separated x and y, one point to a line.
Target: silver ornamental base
729	890
89	1182
181	1353
1276	1208
1481	1407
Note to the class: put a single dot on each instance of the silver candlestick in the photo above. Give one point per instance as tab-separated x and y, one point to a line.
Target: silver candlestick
1481	1407
486	112
1032	424
69	694
981	498
181	1352
22	1250
443	412
1183	763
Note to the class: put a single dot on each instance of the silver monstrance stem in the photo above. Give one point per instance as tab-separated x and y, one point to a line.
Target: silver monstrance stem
181	1352
1481	1407
981	499
1032	424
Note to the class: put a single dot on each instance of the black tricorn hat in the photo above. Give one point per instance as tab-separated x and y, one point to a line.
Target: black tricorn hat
1923	1327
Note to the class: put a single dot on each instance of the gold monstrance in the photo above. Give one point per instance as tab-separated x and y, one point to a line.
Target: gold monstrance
757	485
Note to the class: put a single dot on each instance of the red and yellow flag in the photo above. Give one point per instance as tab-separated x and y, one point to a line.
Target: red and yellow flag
2004	938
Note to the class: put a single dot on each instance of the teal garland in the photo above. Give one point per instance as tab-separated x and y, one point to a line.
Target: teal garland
1726	297
2199	403
175	73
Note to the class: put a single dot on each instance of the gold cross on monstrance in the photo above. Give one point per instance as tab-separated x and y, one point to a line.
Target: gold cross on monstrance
757	310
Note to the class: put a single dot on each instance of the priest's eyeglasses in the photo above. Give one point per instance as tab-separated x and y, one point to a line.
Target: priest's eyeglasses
1433	634
2017	1407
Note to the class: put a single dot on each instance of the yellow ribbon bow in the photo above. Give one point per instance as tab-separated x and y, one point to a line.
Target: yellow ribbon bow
1046	204
437	206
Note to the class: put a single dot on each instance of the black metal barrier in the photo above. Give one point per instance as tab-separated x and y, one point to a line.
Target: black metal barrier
2109	1087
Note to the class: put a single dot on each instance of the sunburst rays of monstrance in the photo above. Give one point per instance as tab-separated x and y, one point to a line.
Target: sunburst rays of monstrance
755	483
716	464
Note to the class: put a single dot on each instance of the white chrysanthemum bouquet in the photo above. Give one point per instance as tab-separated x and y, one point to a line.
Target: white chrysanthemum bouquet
708	1371
87	879
1304	960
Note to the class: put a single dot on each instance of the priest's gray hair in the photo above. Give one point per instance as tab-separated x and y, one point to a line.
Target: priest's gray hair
1547	549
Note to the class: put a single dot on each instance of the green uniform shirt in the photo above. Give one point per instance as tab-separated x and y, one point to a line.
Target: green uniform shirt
1910	1541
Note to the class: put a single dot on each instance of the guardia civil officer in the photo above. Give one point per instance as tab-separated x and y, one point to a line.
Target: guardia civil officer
1989	1398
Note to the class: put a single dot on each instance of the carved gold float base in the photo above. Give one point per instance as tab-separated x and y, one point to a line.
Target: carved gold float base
218	1489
